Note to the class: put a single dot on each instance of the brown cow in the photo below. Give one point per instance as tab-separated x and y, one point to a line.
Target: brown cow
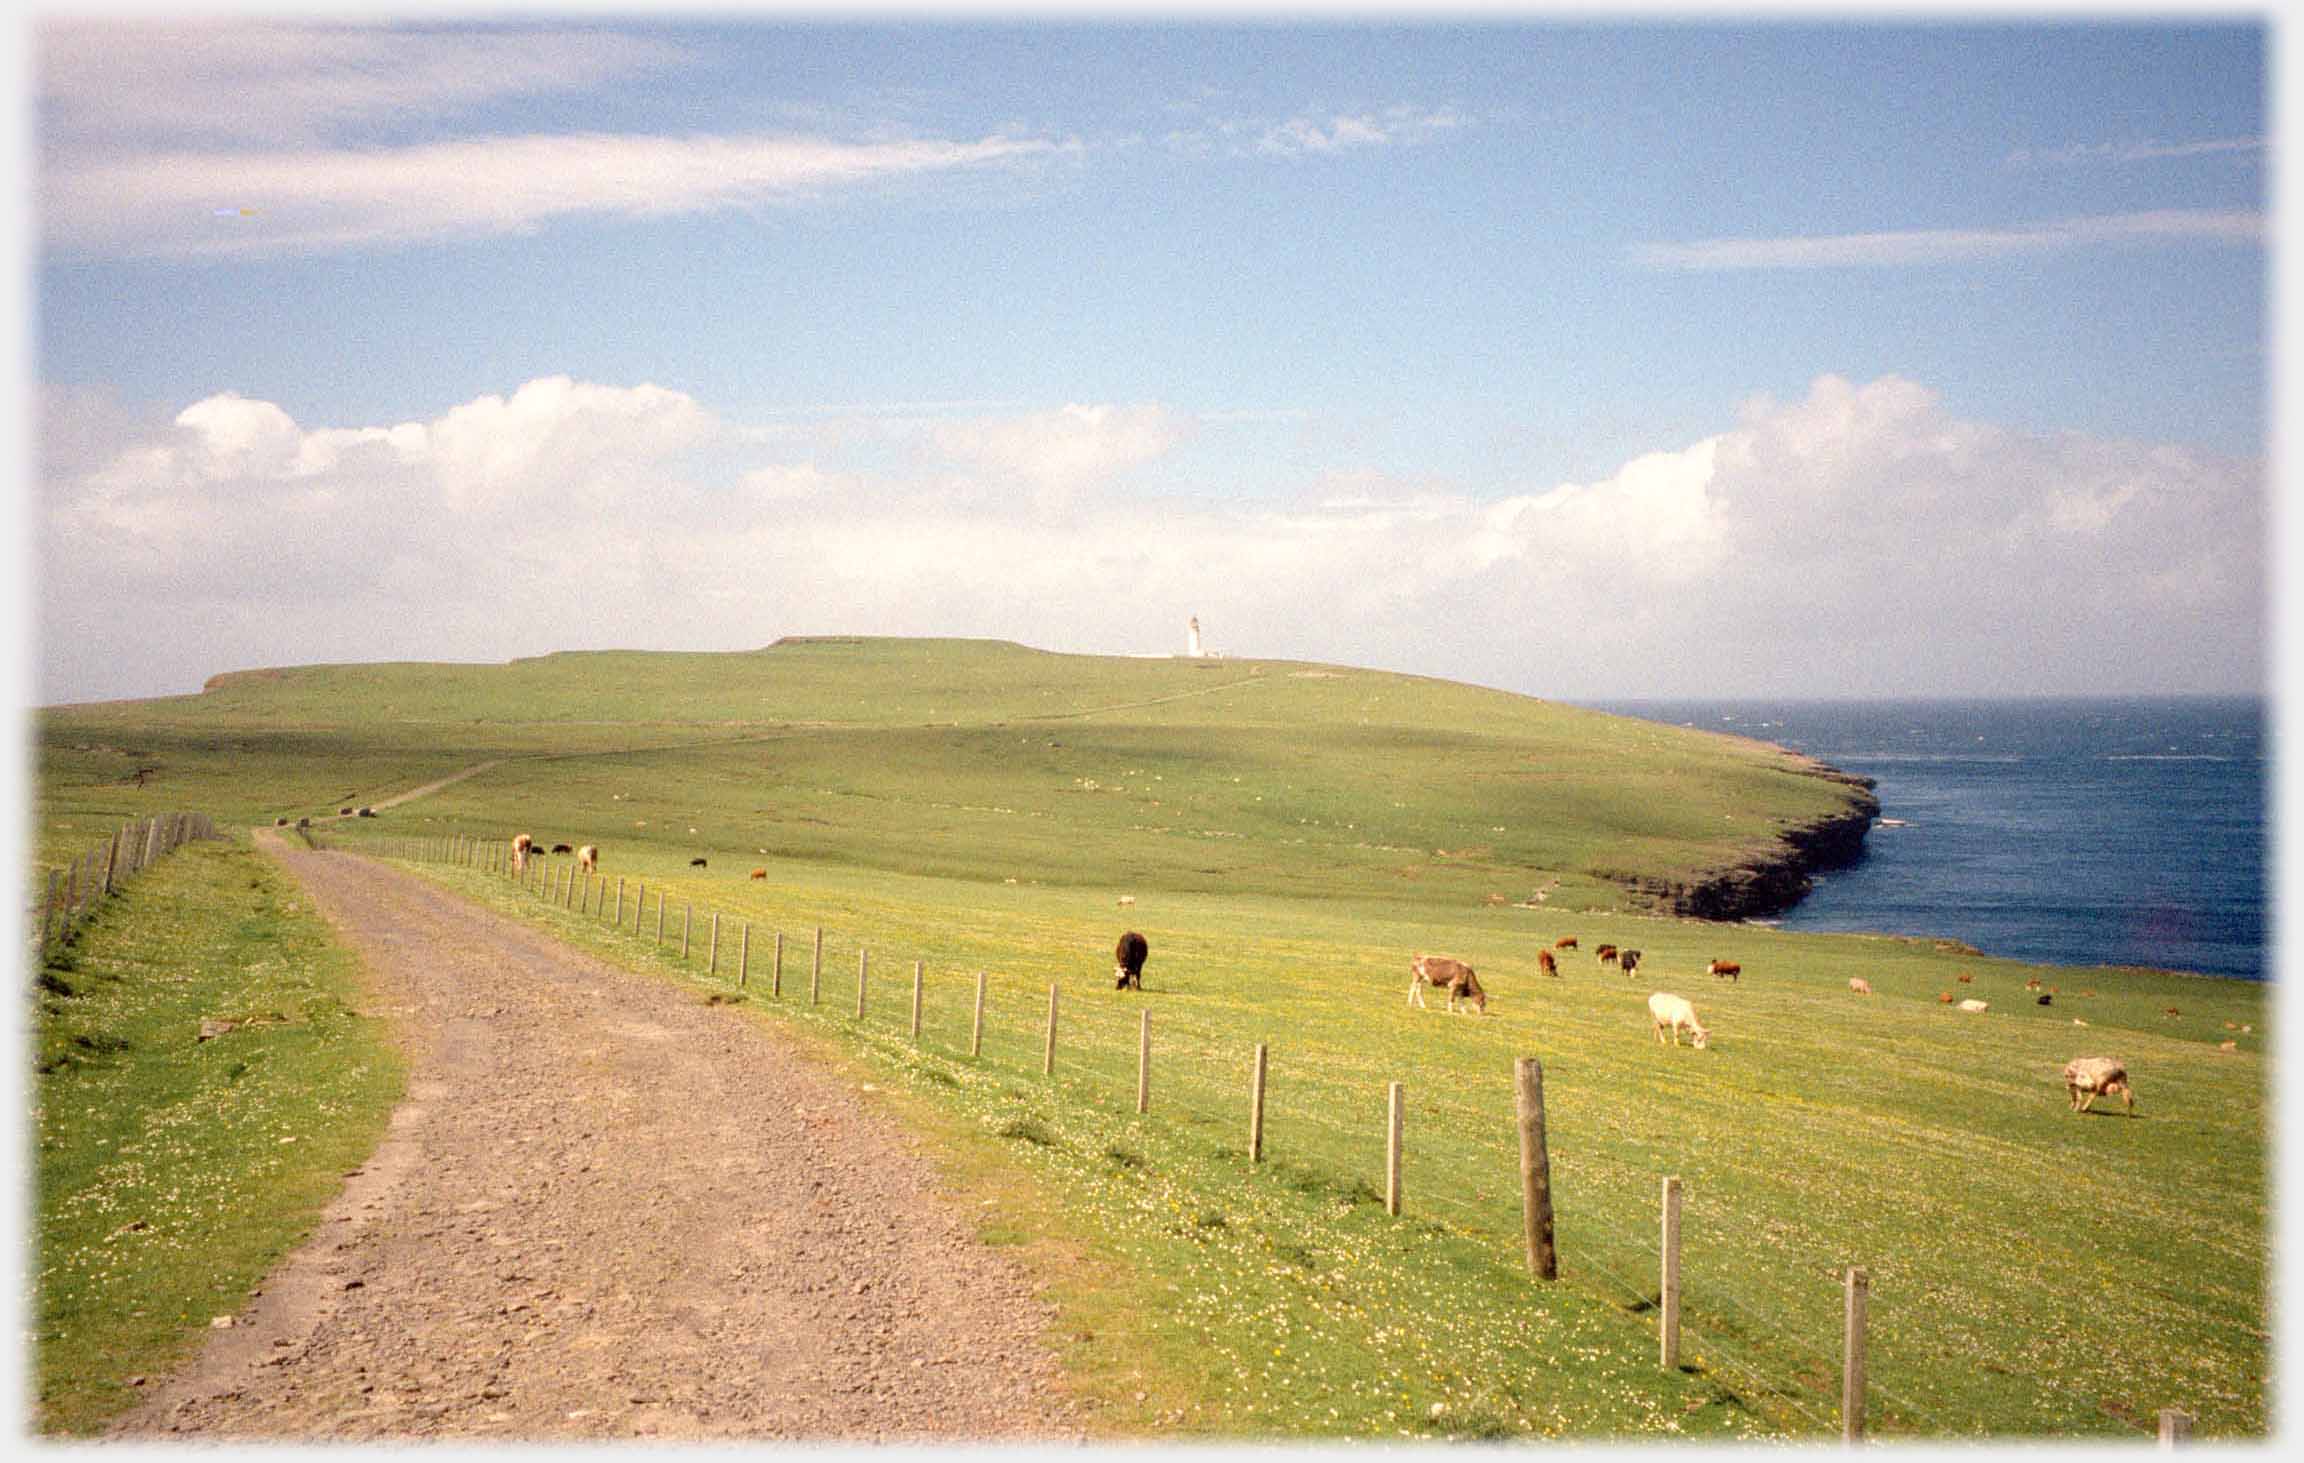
759	873
1606	954
1728	968
1565	942
1446	974
1128	962
1546	963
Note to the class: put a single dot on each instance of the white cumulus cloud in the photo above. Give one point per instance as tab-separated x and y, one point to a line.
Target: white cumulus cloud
1860	539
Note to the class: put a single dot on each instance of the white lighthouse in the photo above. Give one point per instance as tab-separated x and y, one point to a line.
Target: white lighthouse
1192	638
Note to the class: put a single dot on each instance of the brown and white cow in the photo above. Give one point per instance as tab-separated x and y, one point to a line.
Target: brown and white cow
1446	974
588	859
521	843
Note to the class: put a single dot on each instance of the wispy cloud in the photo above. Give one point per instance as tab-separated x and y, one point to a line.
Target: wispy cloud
1314	132
197	83
1952	246
162	204
2131	152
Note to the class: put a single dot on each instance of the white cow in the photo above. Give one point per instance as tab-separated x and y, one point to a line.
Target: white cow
1676	1014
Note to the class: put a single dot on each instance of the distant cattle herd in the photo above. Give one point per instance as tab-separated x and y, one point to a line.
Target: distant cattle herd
1670	1016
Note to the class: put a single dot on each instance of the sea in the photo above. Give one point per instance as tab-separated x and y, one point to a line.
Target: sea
2124	831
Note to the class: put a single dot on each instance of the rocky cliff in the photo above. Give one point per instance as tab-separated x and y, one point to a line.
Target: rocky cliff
1775	880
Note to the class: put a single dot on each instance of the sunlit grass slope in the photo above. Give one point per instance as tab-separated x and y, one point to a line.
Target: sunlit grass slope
2034	1272
976	759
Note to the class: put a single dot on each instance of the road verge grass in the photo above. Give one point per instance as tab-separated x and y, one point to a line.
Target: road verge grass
172	1172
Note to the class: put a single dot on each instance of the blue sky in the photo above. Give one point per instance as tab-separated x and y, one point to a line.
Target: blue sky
1631	357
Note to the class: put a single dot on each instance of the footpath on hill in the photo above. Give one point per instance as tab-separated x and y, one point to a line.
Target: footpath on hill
608	1210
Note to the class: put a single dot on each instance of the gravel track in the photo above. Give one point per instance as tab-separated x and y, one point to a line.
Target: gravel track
608	1210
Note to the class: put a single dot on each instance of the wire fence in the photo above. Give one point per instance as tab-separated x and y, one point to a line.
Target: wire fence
75	890
1782	1339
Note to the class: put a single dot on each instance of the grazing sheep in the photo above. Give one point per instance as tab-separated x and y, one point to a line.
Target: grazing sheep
1444	973
1665	1011
1126	900
1859	985
1629	960
1128	962
588	859
2227	1046
2076	1021
1546	963
1728	968
521	844
759	873
1974	1005
2088	1078
1565	942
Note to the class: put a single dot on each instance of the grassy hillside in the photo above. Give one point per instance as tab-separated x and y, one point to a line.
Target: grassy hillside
1290	835
976	759
2034	1272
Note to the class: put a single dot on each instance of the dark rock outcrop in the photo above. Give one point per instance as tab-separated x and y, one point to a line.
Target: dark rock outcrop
1774	881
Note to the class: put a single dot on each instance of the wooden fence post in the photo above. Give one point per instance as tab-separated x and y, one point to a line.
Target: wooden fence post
976	1028
712	966
1668	1300
1392	1125
660	916
1143	1061
619	901
1048	1058
1256	1109
48	908
1535	1170
776	971
816	967
2175	1427
917	971
863	966
1852	1358
744	956
687	918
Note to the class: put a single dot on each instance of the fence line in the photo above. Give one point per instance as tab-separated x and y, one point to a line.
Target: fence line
76	890
1055	1044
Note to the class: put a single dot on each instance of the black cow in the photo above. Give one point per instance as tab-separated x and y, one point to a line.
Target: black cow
1629	960
562	848
697	863
1129	962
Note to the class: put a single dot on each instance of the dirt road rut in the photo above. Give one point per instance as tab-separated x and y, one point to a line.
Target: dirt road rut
607	1210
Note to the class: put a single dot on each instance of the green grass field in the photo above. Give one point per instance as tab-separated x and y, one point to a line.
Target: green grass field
171	1172
1291	835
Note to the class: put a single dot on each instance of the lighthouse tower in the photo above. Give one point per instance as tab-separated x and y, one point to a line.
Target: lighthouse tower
1192	638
